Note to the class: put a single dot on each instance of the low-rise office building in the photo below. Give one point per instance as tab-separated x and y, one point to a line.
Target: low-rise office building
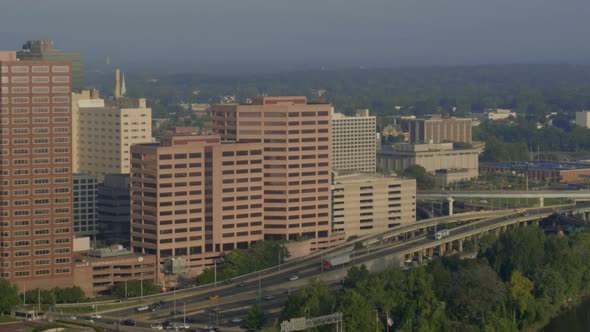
97	271
365	204
432	157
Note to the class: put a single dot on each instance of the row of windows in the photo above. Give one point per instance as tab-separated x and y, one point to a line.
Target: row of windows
35	89
37	130
23	274
21	69
20	110
37	222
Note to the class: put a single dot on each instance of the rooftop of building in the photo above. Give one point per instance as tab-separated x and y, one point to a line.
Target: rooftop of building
362	178
538	165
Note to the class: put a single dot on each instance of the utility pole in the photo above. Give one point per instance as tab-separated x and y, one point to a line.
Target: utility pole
184	313
280	249
215	273
259	288
125	289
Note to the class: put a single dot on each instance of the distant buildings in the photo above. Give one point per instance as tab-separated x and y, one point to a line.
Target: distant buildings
440	130
583	119
500	114
354	143
433	157
541	170
105	130
43	50
36	183
365	204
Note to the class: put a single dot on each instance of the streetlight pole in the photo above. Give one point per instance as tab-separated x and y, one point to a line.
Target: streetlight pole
184	313
141	287
215	273
259	288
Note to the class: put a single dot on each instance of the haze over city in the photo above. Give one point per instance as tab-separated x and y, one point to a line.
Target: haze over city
200	166
266	35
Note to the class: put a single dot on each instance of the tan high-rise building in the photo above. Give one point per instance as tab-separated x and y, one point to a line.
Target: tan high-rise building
354	143
105	130
439	130
365	204
297	143
36	174
194	197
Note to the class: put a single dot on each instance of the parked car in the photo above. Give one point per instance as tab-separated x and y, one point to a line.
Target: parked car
156	326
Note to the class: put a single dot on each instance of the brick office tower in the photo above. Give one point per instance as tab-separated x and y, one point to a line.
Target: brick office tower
36	177
297	154
194	197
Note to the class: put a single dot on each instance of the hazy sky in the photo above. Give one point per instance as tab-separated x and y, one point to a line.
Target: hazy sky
305	32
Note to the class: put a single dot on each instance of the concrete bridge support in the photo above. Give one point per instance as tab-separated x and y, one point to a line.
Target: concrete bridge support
460	245
441	250
450	200
541	201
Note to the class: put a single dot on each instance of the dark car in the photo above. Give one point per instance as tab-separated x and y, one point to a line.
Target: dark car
228	281
162	302
129	322
167	323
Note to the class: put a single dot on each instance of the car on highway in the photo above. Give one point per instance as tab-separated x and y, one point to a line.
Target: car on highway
228	281
96	316
269	297
242	284
154	308
142	308
129	322
156	326
72	317
112	322
161	303
237	320
171	328
214	297
183	326
293	277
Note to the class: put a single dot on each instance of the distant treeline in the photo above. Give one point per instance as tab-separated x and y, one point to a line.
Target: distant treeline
527	89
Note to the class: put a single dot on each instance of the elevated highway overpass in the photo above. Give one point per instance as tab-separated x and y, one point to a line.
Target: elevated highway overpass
387	249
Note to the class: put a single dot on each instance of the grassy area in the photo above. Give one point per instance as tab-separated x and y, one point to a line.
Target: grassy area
87	309
7	319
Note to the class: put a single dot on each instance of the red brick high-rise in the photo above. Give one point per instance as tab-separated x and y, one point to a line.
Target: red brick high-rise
297	141
193	197
36	175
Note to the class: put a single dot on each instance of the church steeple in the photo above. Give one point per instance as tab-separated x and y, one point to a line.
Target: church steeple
123	88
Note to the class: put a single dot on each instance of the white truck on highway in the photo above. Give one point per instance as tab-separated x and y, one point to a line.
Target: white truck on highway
441	234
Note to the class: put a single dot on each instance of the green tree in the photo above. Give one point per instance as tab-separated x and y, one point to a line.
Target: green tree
256	318
314	299
134	288
424	180
359	314
521	293
8	296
